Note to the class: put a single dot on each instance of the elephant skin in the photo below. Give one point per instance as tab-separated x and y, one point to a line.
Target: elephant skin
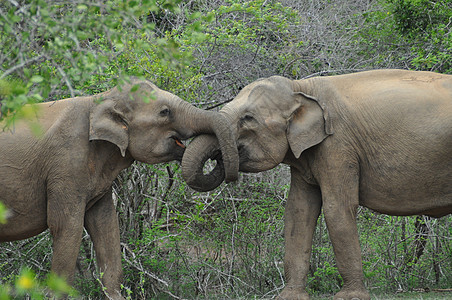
57	168
381	139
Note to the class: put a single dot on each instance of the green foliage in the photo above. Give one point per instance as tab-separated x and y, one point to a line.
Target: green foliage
424	23
394	260
3	213
15	94
199	245
418	16
243	23
416	32
26	284
52	50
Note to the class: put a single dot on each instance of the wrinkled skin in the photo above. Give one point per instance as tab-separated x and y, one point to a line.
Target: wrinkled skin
381	139
61	178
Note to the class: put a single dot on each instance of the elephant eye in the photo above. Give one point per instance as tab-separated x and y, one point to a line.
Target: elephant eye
165	112
246	118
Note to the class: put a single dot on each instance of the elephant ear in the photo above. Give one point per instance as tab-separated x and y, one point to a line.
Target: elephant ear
309	124
108	124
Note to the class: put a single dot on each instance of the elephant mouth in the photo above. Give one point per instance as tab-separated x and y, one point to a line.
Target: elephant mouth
243	155
177	145
178	141
246	163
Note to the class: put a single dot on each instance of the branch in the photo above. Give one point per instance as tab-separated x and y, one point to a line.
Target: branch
14	3
140	267
21	65
321	73
233	69
66	80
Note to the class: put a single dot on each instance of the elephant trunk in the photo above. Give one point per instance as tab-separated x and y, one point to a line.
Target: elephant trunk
228	161
201	149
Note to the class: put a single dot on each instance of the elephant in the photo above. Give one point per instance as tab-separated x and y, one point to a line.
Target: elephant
381	139
60	176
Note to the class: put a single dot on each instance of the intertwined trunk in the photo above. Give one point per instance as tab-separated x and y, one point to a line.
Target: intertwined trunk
198	152
221	146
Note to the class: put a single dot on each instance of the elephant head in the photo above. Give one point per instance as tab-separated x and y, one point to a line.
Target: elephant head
268	117
148	124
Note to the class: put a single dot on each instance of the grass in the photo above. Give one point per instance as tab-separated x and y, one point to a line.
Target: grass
414	296
405	295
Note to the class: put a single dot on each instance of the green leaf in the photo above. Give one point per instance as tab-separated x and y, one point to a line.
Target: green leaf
59	286
3	212
36	79
135	88
195	15
26	281
82	7
132	3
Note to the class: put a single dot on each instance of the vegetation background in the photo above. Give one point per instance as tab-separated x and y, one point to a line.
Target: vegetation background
228	243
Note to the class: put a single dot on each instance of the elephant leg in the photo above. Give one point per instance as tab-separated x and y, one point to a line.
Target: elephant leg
101	222
340	197
65	222
301	214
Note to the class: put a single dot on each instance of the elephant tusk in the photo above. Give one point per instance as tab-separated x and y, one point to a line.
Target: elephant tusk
179	142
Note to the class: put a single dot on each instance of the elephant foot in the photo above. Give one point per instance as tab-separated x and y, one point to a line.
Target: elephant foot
352	294
293	293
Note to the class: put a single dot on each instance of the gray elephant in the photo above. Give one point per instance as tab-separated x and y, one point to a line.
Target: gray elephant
61	178
381	139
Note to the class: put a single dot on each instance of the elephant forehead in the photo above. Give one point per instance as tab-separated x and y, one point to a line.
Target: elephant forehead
275	123
264	97
262	108
270	94
263	92
145	118
269	106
